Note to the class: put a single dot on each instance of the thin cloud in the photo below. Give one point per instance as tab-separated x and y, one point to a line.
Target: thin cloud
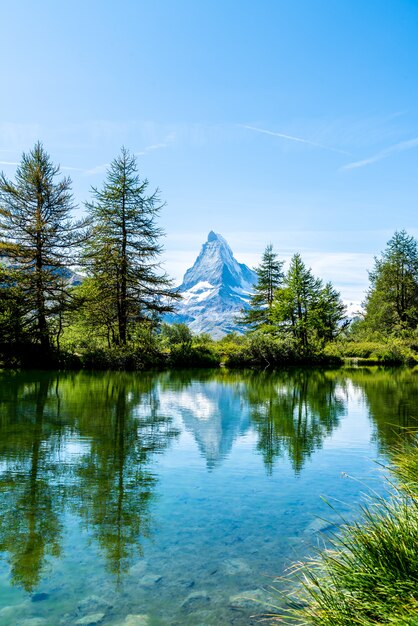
383	154
157	146
8	163
293	138
98	169
68	168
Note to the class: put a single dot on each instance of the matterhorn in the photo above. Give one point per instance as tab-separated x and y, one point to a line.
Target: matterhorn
214	290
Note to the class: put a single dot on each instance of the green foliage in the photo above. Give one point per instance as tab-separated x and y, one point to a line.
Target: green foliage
262	349
122	250
369	574
13	334
389	350
184	350
392	299
269	278
305	309
38	239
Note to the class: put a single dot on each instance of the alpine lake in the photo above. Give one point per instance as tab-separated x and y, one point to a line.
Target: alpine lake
181	498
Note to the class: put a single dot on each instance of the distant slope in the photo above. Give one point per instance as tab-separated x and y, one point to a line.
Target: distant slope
214	290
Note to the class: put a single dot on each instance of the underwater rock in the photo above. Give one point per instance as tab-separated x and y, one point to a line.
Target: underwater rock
194	599
319	525
136	620
33	621
94	604
138	568
7	612
231	567
149	580
251	600
90	620
40	596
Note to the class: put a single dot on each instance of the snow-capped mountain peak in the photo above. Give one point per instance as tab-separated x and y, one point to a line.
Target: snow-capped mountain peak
216	264
214	290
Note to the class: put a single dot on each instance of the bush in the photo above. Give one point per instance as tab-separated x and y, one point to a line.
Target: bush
391	351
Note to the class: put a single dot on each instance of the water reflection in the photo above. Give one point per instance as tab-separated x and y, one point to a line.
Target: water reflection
109	486
391	397
210	407
293	413
86	444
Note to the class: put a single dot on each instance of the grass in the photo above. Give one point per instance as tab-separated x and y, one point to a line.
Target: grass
369	573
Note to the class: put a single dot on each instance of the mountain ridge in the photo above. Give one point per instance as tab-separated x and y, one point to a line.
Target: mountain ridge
214	290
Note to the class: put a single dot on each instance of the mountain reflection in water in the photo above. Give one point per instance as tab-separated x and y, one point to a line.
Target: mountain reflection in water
86	446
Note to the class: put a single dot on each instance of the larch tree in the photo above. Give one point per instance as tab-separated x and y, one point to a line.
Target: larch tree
305	309
122	253
392	299
38	239
269	279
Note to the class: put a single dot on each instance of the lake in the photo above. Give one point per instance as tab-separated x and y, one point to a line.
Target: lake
177	498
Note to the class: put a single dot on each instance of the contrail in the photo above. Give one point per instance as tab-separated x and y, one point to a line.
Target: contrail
383	154
292	138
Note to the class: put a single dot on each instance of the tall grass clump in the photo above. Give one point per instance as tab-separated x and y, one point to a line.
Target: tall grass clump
369	573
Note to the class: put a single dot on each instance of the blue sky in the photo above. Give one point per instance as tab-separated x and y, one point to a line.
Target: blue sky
291	122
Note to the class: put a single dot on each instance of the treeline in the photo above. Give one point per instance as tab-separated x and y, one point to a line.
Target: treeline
295	317
91	292
111	318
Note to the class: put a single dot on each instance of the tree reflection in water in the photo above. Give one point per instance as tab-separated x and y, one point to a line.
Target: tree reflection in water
109	486
86	443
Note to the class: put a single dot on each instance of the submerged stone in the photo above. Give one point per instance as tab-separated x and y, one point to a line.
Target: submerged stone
136	620
251	600
138	568
149	580
90	620
94	604
33	621
195	598
231	567
40	596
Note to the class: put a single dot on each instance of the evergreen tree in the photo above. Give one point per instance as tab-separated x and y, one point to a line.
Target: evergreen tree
331	313
122	252
392	300
269	278
305	309
12	312
37	238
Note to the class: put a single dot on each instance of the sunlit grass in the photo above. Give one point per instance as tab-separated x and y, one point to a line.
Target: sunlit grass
369	573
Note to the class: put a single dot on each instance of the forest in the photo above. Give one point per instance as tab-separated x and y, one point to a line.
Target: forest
90	293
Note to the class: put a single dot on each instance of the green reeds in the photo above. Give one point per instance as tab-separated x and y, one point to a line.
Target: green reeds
369	573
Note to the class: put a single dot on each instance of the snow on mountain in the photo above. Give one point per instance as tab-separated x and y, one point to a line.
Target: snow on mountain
214	290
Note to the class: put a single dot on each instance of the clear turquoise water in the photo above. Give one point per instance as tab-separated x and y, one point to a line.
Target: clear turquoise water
168	496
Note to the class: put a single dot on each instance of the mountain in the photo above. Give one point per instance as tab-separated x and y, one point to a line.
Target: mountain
214	290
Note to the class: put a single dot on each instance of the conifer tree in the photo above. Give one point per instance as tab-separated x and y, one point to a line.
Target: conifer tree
269	278
311	313
121	254
392	300
38	237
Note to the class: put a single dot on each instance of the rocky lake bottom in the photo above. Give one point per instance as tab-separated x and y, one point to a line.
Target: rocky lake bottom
181	498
